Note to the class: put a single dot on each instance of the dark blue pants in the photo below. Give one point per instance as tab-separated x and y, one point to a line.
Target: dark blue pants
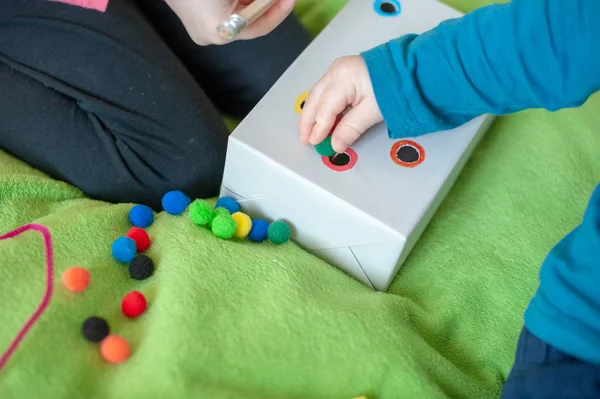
541	371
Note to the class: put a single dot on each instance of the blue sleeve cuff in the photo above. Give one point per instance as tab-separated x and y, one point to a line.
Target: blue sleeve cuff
401	92
389	93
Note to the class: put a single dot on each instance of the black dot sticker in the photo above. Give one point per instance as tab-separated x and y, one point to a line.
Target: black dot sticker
407	153
341	162
340	159
387	8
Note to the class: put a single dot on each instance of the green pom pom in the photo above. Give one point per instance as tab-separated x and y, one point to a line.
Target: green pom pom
324	147
224	226
217	212
220	211
279	232
201	213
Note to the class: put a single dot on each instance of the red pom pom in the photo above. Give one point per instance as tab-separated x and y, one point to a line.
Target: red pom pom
141	238
133	304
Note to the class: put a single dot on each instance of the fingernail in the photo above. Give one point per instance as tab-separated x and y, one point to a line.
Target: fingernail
338	145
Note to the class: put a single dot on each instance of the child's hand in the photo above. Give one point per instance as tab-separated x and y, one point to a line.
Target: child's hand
346	84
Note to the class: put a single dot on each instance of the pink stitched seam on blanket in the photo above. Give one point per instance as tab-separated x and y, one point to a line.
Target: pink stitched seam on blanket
49	286
99	5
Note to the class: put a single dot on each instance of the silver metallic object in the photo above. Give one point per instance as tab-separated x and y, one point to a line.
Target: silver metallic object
232	27
237	22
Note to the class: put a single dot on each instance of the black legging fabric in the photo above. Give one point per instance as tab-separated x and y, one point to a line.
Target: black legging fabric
122	103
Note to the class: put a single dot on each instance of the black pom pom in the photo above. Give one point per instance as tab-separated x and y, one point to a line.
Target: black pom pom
141	267
95	329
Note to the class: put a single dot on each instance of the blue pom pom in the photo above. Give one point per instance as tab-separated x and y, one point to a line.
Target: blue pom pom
259	231
141	216
228	203
175	202
124	249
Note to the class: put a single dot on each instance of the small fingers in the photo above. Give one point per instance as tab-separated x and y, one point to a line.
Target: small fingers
352	125
333	102
309	111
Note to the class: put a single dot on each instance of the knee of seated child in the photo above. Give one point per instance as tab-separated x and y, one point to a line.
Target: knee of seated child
143	172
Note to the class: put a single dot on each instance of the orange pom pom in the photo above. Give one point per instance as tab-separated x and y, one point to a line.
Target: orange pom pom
76	278
114	349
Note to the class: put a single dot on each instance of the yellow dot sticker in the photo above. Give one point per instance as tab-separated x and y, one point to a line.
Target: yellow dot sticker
300	102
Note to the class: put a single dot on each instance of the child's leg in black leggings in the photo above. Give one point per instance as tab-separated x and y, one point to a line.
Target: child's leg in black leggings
100	101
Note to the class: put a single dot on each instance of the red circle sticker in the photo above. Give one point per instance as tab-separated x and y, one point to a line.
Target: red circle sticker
407	153
341	162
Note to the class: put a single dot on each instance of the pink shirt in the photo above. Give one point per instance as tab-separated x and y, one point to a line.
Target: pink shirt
99	5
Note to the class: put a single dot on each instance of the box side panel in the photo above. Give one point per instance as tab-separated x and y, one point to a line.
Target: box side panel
320	223
320	220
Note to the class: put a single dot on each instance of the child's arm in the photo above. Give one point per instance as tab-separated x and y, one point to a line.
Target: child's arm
498	59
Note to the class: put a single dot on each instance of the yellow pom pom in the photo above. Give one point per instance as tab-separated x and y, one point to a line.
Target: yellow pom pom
244	224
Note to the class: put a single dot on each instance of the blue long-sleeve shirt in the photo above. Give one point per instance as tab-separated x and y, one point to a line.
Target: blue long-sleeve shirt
498	60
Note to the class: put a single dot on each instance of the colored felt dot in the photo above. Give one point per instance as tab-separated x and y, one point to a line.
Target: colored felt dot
141	238
299	105
141	216
324	147
175	202
201	213
341	162
259	230
76	278
279	232
95	329
115	349
244	224
224	226
133	304
387	8
407	153
141	267
124	249
228	203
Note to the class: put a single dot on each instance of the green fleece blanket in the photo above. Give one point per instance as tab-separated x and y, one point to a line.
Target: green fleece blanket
241	320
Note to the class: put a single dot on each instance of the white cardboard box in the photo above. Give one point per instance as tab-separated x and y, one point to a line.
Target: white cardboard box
364	220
